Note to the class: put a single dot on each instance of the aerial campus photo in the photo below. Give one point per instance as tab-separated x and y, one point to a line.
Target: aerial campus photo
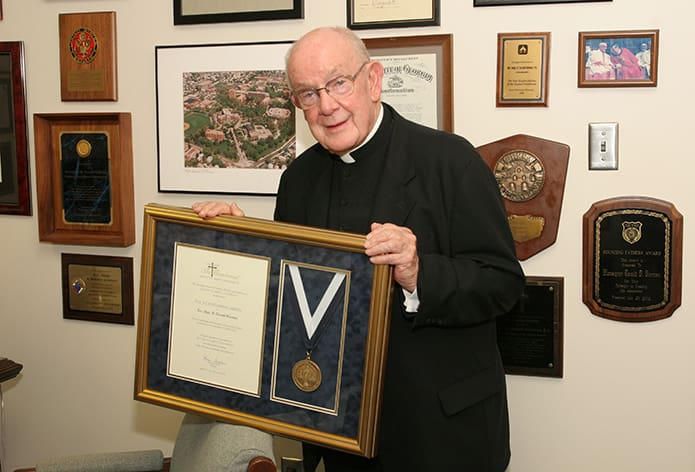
238	119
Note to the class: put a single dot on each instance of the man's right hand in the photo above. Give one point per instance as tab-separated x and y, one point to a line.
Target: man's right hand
209	209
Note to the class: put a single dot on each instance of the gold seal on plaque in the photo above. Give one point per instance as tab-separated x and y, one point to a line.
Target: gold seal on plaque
83	148
306	375
520	175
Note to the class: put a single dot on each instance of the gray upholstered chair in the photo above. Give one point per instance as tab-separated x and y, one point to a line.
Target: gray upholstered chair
202	445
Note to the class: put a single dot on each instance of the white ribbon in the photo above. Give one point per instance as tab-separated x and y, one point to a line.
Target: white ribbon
312	320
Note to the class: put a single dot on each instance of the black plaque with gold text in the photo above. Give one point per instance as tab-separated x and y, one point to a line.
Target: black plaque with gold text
632	259
530	337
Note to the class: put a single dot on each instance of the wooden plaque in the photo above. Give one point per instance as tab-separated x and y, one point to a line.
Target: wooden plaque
633	258
84	173
88	56
531	174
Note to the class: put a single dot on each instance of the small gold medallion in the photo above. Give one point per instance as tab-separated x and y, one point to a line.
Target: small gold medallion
84	148
306	375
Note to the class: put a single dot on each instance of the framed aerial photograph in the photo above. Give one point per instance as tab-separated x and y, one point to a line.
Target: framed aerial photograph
490	3
225	119
367	14
15	193
618	58
84	178
417	77
190	12
98	288
272	325
522	69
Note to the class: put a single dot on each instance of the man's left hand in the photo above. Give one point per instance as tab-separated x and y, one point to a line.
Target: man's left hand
396	246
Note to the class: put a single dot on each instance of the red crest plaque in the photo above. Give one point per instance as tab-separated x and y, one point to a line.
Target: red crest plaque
531	174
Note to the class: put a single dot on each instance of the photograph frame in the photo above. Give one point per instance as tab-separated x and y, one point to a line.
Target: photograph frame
438	44
113	224
175	63
213	15
363	14
604	73
364	356
513	87
107	283
494	3
15	191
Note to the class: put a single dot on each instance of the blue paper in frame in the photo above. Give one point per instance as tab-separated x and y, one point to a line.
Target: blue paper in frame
353	426
225	120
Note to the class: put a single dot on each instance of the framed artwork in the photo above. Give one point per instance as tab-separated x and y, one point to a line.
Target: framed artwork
225	119
417	77
84	178
189	12
98	288
15	194
522	69
489	3
367	14
618	58
271	325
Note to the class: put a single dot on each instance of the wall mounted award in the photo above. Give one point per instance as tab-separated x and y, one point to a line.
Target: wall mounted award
88	56
633	258
84	172
531	175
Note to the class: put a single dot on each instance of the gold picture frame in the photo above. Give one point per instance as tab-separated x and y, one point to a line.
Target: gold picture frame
191	262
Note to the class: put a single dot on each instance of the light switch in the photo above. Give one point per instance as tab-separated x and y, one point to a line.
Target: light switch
603	146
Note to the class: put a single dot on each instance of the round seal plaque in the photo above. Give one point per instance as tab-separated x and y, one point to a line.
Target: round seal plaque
83	45
520	175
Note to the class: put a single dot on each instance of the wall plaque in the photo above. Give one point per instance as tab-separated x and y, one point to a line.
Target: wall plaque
632	251
530	337
531	174
88	56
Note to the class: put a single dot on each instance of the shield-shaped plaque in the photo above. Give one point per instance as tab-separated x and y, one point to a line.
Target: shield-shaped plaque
531	174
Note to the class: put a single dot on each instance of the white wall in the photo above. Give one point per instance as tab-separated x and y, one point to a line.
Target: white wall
627	399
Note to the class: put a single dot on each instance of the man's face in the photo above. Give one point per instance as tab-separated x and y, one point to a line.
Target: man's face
338	123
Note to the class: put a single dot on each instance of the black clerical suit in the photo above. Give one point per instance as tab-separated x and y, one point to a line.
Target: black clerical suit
444	402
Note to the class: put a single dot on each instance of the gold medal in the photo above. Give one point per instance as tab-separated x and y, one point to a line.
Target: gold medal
306	374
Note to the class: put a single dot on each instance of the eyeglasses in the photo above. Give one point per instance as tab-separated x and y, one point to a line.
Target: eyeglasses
339	87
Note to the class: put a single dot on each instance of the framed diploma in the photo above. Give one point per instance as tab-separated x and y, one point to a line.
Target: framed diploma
188	12
417	77
15	194
522	69
98	288
633	259
366	14
84	173
276	326
88	56
487	3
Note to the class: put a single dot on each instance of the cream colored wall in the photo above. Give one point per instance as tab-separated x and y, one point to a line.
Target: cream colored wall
627	399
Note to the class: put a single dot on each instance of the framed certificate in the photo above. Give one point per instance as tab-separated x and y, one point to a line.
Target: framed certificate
366	14
190	12
522	69
276	326
84	173
417	77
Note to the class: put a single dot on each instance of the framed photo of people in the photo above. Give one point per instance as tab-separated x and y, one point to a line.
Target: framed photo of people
15	193
417	77
273	325
618	58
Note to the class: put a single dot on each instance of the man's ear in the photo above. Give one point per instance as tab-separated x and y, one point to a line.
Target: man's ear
376	74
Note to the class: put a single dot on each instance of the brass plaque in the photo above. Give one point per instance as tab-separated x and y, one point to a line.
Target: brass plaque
632	259
88	56
531	174
98	288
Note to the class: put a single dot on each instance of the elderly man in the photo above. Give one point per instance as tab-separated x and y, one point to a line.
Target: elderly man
431	208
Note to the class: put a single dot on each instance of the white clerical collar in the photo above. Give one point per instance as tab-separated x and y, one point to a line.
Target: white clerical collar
347	158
